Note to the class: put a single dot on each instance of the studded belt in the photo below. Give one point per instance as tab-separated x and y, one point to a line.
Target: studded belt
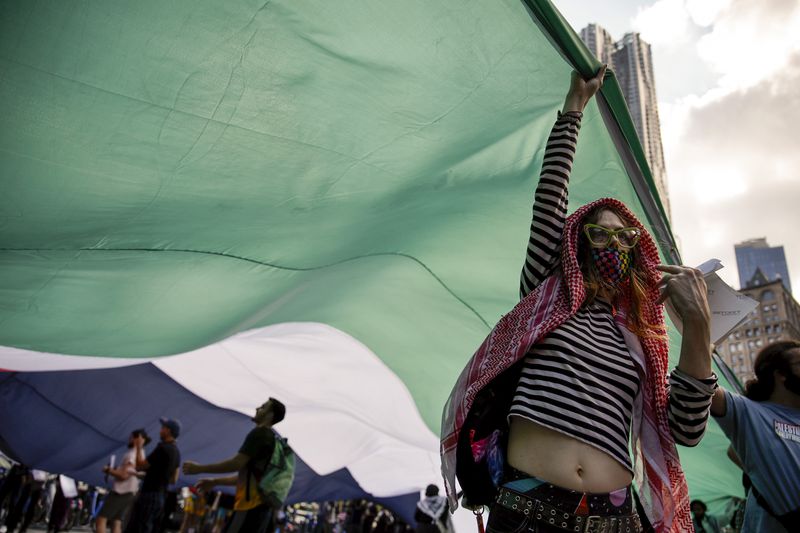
547	514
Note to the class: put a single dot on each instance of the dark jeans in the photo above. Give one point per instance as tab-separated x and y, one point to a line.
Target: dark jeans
28	499
504	520
10	488
146	513
18	498
59	511
255	520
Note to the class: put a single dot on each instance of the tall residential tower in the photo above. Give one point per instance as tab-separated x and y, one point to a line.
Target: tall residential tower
632	62
599	42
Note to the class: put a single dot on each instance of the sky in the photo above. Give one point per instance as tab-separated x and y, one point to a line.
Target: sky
728	84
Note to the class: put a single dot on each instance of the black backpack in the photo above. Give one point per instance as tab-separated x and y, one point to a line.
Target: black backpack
487	415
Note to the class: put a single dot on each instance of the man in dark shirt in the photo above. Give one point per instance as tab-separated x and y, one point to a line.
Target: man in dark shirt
252	514
161	470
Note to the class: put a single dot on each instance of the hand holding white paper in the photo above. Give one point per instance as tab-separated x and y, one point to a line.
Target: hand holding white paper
729	308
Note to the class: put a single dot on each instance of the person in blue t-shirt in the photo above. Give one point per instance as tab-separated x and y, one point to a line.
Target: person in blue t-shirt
764	429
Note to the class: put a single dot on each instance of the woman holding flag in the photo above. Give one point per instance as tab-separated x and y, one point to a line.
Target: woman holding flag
564	408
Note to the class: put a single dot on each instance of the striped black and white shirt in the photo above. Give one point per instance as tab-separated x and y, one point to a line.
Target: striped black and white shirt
581	379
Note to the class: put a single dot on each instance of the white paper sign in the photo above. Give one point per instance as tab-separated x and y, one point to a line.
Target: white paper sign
729	308
68	486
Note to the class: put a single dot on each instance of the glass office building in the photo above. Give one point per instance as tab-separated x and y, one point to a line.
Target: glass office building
756	254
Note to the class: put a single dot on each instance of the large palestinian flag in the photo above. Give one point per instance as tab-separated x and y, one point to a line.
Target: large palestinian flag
206	203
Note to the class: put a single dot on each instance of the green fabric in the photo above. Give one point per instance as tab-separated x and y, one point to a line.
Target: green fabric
276	481
565	39
174	173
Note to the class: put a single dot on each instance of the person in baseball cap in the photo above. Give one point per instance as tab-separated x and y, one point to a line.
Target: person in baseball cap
160	470
174	426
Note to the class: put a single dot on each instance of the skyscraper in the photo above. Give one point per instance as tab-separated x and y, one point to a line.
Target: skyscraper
759	263
599	42
632	62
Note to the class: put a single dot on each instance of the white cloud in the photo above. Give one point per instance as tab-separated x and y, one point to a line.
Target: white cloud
733	169
741	41
705	12
731	159
751	41
664	23
717	183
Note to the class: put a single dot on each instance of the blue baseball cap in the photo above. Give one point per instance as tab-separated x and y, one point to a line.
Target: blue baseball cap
173	425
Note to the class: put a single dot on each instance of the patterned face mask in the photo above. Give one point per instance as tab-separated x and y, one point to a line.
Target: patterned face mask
613	264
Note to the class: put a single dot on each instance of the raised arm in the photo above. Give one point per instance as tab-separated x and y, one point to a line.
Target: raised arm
208	484
141	461
551	197
233	464
692	384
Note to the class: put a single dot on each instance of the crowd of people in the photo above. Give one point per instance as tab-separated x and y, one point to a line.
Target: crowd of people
187	510
343	516
139	498
30	496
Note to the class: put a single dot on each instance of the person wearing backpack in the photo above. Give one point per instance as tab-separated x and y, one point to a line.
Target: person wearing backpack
265	470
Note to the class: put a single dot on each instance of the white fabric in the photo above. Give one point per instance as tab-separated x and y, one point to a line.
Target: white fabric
345	407
19	360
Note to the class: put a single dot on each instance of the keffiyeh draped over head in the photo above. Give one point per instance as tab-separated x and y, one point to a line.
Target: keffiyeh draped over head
433	506
659	478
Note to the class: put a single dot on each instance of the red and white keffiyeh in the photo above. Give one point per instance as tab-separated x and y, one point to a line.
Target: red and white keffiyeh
658	474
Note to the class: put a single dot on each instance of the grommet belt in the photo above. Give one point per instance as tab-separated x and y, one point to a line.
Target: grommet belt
547	514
